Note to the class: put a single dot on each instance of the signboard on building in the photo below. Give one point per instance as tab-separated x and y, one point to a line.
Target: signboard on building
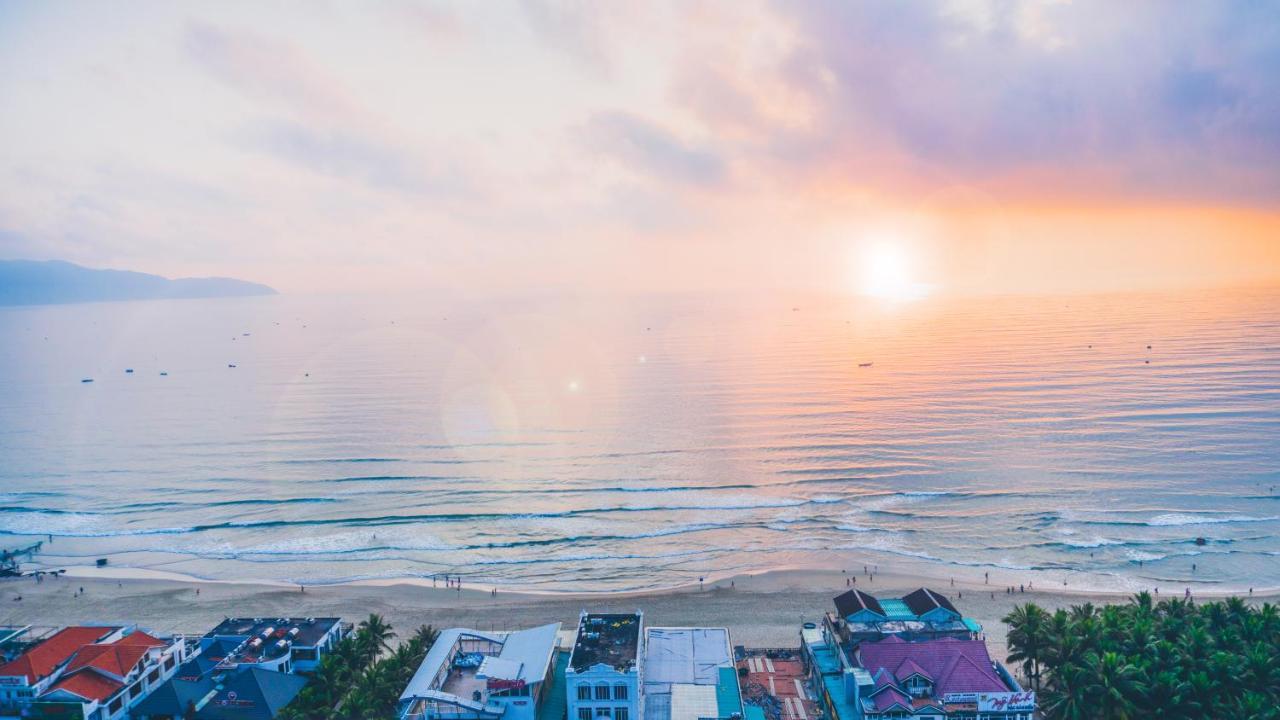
1006	702
501	684
13	680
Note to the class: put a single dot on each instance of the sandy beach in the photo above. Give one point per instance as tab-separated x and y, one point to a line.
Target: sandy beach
760	610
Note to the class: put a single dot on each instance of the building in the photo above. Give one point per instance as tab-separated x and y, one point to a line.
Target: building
280	644
603	677
23	678
95	673
689	674
252	693
476	675
189	690
889	677
921	615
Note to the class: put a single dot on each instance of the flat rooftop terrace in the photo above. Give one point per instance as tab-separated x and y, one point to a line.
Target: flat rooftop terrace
309	630
609	638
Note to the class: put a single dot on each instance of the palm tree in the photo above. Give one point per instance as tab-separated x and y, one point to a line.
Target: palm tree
375	634
1028	639
1116	685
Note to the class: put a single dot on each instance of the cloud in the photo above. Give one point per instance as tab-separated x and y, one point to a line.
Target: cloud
647	148
343	155
268	70
1041	96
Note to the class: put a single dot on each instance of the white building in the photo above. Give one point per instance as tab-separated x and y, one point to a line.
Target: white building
689	674
476	675
96	673
603	677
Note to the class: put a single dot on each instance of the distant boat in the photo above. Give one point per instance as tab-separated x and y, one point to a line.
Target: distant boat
865	364
84	380
231	365
163	373
129	370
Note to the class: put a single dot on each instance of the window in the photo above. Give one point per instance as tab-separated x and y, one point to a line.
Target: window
620	713
619	692
168	663
602	713
584	713
154	675
602	692
584	693
114	707
134	689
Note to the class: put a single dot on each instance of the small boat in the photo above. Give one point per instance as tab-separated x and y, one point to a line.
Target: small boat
128	371
1201	541
86	380
865	364
102	562
231	365
163	373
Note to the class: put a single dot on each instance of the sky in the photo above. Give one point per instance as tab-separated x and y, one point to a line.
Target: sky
884	148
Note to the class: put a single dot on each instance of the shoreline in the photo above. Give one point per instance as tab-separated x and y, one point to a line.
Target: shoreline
924	573
760	610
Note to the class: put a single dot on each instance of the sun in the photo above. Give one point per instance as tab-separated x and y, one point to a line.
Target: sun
886	269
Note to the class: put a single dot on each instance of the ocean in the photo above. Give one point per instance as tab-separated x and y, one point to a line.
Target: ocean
582	444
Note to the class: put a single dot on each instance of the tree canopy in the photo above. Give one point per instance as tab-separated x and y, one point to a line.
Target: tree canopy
1175	659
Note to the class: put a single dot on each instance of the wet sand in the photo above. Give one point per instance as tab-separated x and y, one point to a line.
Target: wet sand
760	610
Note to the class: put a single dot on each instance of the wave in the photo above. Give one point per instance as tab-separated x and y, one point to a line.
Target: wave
1178	520
327	461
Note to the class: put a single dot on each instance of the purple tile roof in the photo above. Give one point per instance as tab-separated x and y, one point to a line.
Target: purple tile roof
889	697
956	666
909	668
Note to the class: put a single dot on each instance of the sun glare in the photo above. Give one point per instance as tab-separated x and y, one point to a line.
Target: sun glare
886	270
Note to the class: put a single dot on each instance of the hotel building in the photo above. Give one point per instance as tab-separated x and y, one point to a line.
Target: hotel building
603	677
873	661
476	675
95	673
284	645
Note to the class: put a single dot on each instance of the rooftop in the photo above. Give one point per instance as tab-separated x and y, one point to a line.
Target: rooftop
42	659
854	601
907	608
464	661
606	638
87	685
683	671
260	639
923	600
954	666
310	631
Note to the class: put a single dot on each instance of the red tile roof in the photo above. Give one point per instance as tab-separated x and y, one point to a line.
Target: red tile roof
137	637
115	658
43	659
88	685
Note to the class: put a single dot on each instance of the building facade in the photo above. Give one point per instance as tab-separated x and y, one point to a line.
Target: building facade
476	675
602	681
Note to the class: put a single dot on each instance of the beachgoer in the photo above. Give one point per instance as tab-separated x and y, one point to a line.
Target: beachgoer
986	578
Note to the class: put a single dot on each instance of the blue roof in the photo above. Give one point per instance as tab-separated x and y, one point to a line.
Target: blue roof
253	694
895	609
834	686
728	697
826	659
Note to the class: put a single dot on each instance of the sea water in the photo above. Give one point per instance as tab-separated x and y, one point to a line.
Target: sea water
570	444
